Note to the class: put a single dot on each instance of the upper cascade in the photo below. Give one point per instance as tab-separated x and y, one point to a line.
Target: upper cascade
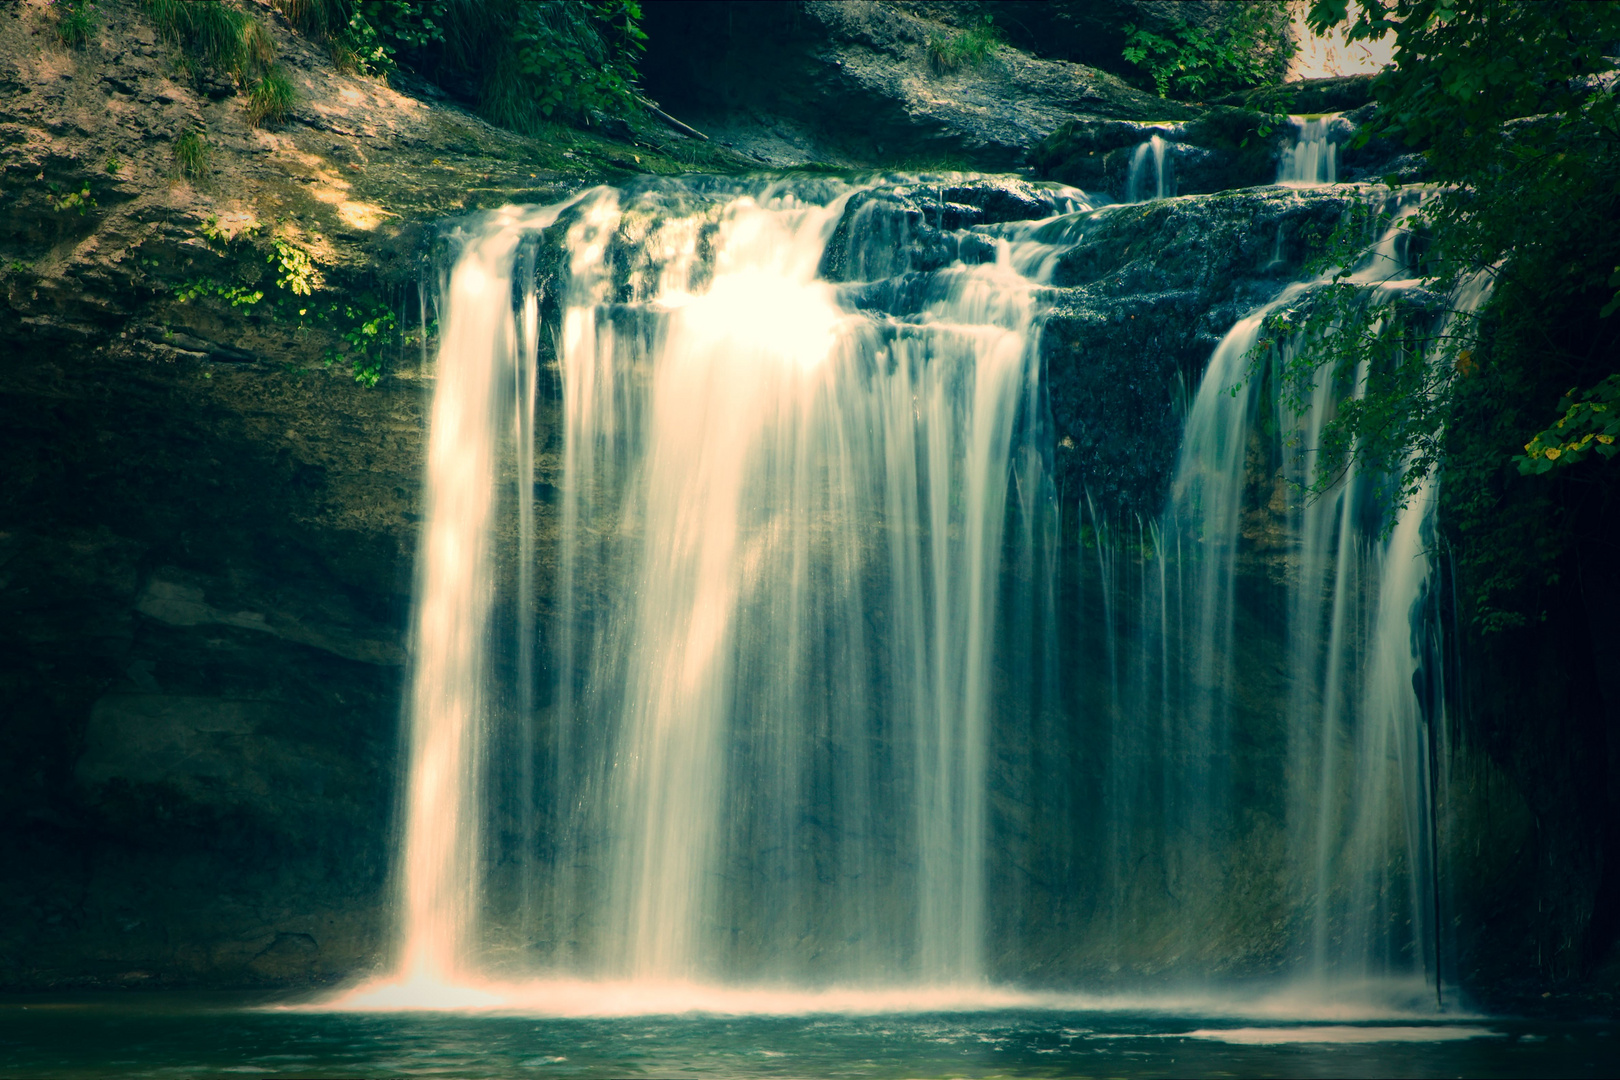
1314	156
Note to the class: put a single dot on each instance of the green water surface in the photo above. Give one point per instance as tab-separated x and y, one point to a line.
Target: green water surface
183	1035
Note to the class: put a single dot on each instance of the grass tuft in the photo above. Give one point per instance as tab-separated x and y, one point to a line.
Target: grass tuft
219	35
76	22
191	153
271	100
970	47
317	17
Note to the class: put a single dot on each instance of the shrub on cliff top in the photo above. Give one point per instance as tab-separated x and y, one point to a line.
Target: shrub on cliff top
523	63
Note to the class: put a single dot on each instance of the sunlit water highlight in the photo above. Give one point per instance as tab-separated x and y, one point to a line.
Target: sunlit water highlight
1377	1001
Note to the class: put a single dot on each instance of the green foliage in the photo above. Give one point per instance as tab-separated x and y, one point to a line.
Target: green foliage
75	22
565	64
271	99
112	165
1190	62
294	268
1516	109
235	295
365	328
371	37
532	62
366	332
79	200
219	35
965	48
1591	422
191	155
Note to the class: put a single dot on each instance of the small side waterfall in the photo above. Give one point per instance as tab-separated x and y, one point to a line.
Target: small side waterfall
441	877
1252	616
1314	156
1136	181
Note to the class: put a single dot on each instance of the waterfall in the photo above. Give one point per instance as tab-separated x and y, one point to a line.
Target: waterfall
1206	676
786	526
794	673
1314	156
739	658
1136	179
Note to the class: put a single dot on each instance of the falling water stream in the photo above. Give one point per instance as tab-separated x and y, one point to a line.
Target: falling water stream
783	524
1314	156
1147	161
723	721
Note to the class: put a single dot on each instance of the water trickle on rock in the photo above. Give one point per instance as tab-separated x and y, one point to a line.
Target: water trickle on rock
1147	162
1314	156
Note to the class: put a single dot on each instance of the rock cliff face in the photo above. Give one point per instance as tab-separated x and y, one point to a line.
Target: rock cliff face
851	83
206	532
207	524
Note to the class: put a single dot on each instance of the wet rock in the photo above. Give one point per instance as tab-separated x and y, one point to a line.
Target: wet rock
1139	303
792	83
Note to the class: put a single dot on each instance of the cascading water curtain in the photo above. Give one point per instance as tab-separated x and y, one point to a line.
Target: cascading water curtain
1274	746
741	669
786	529
781	561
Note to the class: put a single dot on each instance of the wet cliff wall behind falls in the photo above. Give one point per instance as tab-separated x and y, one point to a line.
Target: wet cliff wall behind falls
207	525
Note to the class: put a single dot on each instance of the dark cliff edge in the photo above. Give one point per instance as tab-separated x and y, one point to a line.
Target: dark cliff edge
208	523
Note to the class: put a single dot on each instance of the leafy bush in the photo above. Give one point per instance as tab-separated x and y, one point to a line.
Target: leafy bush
271	99
524	63
568	58
191	153
79	200
367	36
970	47
1516	108
1249	48
1590	423
367	332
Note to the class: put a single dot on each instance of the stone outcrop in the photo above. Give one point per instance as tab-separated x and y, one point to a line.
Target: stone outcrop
206	531
851	83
